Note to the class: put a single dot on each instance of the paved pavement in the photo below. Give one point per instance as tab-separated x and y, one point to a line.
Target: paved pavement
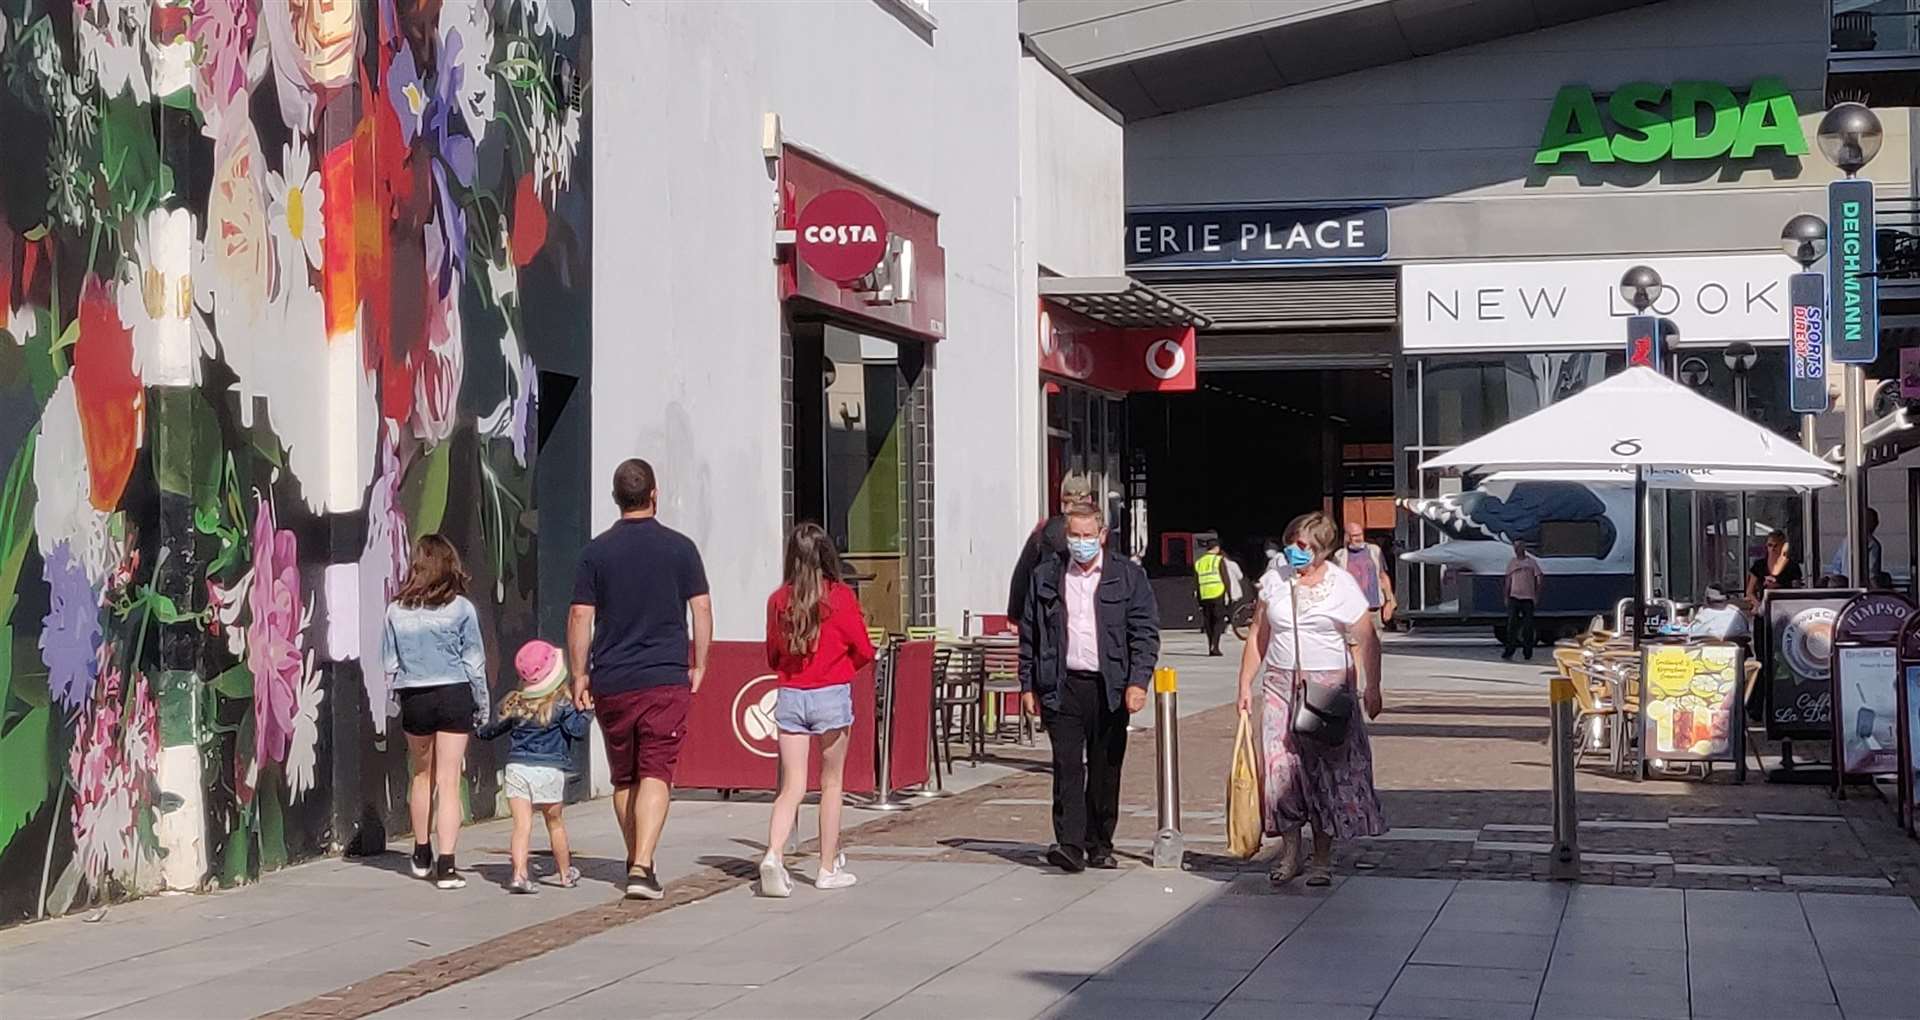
1753	904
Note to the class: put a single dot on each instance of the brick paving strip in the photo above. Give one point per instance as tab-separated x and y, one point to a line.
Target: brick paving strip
404	984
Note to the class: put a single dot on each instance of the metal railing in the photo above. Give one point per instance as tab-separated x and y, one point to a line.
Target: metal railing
1885	27
1896	227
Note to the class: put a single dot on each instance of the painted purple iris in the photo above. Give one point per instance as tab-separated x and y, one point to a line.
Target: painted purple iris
70	638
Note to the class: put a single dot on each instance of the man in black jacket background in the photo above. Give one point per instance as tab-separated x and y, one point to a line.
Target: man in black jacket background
1048	541
1089	640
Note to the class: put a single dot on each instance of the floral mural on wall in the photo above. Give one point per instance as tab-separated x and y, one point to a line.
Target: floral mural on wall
277	282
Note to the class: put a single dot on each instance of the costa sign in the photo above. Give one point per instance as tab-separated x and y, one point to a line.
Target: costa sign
841	234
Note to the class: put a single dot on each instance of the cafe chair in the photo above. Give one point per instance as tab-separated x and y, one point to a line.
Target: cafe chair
957	697
1000	684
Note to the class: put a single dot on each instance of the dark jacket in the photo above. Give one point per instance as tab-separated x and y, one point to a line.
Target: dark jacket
530	743
1127	624
1048	541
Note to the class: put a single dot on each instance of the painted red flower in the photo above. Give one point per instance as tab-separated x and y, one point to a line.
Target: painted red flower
108	392
529	222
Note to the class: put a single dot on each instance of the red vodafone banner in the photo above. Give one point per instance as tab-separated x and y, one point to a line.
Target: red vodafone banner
1158	360
841	234
731	741
912	714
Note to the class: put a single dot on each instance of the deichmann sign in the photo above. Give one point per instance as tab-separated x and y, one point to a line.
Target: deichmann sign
841	234
1576	304
1855	305
1807	330
1255	236
1651	124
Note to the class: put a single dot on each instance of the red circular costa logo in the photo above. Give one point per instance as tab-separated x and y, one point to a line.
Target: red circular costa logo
841	234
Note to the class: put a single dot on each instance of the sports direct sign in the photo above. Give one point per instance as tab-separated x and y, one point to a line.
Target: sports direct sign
1156	360
841	234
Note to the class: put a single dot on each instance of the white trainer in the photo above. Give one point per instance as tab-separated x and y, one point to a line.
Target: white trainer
836	877
774	880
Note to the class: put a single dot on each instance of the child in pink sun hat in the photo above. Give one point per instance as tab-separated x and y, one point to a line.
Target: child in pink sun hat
541	723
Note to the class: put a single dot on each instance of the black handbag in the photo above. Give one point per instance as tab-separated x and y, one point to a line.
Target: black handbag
1320	713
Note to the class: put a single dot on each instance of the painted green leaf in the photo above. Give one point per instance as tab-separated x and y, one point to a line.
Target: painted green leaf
237	862
268	445
186	439
174	689
273	825
65	890
130	158
26	776
236	683
429	504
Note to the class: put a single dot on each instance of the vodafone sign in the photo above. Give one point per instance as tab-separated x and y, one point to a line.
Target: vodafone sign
1137	360
841	234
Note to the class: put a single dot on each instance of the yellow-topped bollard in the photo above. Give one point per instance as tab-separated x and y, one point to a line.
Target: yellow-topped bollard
1169	846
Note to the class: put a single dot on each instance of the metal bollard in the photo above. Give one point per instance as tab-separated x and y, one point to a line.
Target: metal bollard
1564	863
883	799
1169	846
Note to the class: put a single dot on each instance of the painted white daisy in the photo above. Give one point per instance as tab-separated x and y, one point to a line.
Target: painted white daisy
303	749
297	197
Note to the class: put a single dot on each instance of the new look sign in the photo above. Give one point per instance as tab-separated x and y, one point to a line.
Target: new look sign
1575	304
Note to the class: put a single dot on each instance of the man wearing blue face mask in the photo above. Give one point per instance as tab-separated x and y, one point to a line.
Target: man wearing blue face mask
1089	640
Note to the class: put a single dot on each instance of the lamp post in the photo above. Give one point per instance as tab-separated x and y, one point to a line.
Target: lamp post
1849	137
1640	287
1740	357
1804	239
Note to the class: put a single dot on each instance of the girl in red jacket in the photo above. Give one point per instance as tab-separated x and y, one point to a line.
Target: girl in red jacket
816	641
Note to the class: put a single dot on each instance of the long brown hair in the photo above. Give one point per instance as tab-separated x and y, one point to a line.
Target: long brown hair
434	576
539	710
812	566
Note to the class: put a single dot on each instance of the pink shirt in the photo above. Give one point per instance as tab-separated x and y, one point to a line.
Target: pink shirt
1523	578
1081	594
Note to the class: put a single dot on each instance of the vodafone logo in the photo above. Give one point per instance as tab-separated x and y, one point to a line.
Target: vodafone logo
1166	358
753	724
1047	340
841	234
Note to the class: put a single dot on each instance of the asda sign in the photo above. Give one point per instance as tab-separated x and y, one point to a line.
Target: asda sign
1694	120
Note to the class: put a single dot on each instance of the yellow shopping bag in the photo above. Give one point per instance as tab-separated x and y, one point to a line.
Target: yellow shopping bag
1243	795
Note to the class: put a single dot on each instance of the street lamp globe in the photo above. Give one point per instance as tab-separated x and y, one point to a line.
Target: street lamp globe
1850	137
1740	357
1804	239
1641	287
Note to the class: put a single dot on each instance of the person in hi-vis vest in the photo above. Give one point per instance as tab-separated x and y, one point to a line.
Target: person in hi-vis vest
1210	586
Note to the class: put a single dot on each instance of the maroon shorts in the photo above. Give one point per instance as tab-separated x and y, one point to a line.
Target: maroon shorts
643	730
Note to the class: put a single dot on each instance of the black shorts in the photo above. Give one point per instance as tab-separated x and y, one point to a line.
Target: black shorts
442	708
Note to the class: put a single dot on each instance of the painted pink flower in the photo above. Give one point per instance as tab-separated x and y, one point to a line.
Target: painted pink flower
222	34
113	757
273	636
437	369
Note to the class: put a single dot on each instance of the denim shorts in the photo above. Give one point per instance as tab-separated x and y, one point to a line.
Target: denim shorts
814	710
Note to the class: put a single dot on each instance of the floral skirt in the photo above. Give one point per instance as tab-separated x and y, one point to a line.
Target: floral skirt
1302	782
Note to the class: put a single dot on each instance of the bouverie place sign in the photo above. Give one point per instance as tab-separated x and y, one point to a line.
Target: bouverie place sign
841	234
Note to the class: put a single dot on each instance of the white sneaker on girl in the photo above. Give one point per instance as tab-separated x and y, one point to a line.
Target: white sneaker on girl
774	880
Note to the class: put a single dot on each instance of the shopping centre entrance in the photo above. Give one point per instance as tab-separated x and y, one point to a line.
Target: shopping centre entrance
1249	450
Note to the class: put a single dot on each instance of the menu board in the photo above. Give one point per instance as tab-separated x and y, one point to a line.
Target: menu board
1691	701
1866	704
1797	667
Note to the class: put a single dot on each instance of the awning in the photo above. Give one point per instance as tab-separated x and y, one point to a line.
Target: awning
1120	301
1637	419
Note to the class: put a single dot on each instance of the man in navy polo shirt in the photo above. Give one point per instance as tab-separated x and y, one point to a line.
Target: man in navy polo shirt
627	643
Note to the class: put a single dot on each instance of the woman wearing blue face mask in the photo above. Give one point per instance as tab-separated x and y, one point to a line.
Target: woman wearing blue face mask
1311	628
